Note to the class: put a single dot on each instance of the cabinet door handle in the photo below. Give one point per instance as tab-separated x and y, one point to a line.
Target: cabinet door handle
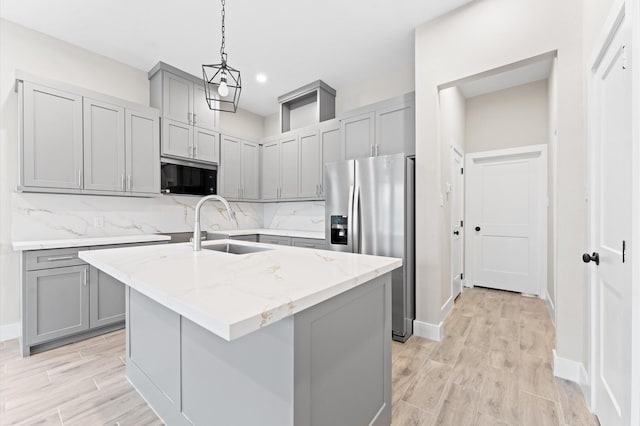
122	184
195	150
129	183
52	259
79	178
189	117
377	148
194	118
85	280
371	150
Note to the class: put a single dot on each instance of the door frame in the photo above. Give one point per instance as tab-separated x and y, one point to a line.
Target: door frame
630	10
454	174
542	223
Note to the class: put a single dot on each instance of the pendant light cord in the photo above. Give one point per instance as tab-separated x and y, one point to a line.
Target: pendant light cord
222	54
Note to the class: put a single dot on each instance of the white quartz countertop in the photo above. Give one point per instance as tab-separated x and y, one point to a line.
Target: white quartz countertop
86	242
233	295
280	232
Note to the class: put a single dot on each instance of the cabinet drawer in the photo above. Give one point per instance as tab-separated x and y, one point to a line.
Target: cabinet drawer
275	239
309	243
54	258
251	238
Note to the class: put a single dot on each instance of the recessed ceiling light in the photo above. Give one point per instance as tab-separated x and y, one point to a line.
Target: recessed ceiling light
261	78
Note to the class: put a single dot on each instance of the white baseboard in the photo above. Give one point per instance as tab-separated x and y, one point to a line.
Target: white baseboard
9	331
551	306
427	330
446	308
573	371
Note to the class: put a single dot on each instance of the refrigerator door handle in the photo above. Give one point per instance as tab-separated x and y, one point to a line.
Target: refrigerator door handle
350	217
356	220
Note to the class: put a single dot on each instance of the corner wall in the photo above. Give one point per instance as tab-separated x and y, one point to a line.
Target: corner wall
478	37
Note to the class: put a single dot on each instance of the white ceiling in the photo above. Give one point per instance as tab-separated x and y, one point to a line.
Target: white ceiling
293	42
512	77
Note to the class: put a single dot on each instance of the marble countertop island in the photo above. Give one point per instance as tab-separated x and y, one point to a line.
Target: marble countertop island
233	295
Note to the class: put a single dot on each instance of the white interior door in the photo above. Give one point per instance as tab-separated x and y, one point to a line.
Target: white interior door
457	235
506	199
611	222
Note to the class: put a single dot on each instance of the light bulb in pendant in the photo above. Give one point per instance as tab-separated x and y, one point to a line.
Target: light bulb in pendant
223	89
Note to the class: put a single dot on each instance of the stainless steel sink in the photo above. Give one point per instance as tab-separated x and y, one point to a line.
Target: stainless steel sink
234	248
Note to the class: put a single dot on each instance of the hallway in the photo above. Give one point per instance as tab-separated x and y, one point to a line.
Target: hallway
494	366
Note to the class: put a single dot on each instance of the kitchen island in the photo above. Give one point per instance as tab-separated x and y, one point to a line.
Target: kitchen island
282	336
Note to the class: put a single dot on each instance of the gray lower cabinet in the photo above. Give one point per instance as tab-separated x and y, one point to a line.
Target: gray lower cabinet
309	243
106	299
251	238
275	239
57	303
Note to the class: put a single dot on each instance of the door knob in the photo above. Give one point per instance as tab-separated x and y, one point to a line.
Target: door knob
456	232
477	229
595	257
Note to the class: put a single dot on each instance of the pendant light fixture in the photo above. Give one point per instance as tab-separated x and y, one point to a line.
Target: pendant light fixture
222	83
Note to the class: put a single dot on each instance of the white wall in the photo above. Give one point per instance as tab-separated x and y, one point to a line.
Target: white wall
509	118
453	107
39	54
479	37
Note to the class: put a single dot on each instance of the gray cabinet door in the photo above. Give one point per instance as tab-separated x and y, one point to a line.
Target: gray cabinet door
104	153
331	150
289	167
395	130
57	303
309	243
310	164
250	189
177	139
251	238
142	142
270	170
177	98
202	116
230	167
106	299
206	145
52	138
358	135
275	239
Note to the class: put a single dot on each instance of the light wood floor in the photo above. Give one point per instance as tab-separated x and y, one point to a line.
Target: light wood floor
492	368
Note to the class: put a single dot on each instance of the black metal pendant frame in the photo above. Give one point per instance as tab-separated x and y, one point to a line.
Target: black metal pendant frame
212	77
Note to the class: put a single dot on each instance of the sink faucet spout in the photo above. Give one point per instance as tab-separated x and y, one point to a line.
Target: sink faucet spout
197	244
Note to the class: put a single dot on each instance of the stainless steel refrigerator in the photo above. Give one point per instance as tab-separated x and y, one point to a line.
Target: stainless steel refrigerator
370	210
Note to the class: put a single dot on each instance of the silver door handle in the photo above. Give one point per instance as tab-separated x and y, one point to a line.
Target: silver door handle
129	184
195	150
122	184
377	147
52	259
371	150
79	178
356	221
350	214
189	117
194	118
85	277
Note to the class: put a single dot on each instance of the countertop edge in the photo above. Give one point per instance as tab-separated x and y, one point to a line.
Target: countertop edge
86	242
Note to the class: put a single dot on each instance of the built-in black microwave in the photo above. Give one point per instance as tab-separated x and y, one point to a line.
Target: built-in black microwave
184	177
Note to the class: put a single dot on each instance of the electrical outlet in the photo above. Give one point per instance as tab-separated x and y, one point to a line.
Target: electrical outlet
98	221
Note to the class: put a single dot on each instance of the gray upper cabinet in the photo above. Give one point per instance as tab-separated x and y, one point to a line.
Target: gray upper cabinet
206	145
142	151
358	134
230	174
395	129
86	143
309	174
177	98
331	149
177	139
250	166
104	146
289	167
57	303
52	137
239	169
384	128
270	170
188	125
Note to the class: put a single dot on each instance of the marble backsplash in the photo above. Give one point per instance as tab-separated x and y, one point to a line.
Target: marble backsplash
54	216
305	216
